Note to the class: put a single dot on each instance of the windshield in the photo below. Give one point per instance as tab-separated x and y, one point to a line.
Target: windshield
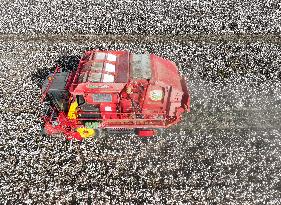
102	97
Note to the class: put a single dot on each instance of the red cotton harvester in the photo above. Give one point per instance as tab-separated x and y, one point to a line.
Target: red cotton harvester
117	91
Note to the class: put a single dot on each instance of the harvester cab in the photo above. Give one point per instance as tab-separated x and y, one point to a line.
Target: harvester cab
117	91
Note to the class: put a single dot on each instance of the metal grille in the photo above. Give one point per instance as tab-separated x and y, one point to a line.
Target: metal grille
141	66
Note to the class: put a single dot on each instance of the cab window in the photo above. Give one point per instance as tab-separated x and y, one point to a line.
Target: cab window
102	97
80	99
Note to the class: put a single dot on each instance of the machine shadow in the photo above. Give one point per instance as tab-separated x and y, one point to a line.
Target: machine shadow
67	63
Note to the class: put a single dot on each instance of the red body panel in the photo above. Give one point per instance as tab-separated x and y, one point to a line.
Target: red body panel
146	133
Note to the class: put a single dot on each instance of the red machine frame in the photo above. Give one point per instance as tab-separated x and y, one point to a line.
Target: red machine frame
174	103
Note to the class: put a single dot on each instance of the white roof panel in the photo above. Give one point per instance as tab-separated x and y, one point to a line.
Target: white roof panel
108	78
109	67
111	57
100	56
